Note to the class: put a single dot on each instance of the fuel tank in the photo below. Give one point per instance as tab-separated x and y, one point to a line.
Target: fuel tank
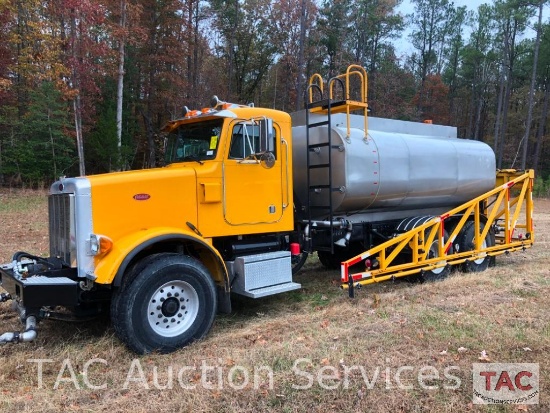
397	166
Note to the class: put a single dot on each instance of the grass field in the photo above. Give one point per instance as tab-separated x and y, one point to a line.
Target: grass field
396	347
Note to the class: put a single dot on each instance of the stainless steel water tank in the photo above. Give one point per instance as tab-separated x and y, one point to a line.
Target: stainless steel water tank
398	166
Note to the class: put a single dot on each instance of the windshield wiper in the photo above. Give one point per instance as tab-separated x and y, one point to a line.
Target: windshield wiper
192	158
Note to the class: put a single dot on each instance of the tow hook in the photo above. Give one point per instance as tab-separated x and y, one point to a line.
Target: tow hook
30	325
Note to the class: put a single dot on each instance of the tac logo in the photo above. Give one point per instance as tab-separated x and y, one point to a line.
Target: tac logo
505	383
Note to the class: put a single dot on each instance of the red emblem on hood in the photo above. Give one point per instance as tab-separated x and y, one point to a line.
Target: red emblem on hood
142	197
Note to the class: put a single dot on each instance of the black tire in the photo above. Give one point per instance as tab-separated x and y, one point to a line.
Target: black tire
168	302
441	272
328	260
298	261
466	243
334	261
131	273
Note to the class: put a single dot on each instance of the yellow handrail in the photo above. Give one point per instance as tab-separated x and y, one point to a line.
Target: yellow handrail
316	81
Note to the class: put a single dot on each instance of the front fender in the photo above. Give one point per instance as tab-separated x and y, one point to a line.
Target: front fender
110	268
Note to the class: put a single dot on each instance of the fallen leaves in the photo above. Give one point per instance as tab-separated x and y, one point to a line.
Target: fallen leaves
483	356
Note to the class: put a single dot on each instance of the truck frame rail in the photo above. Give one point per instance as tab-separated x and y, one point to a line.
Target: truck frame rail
507	211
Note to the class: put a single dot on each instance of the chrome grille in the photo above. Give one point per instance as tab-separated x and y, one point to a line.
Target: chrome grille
61	216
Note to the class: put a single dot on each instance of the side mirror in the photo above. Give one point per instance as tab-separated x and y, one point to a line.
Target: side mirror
267	143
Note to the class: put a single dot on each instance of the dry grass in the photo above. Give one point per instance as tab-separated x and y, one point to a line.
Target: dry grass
503	311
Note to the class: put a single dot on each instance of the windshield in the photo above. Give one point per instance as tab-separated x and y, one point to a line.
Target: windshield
194	142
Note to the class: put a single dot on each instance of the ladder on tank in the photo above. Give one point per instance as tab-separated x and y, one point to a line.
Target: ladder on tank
347	99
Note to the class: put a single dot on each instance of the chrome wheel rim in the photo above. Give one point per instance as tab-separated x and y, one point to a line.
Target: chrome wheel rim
483	255
435	250
173	308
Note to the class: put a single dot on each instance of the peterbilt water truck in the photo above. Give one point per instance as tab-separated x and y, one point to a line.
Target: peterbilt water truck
246	195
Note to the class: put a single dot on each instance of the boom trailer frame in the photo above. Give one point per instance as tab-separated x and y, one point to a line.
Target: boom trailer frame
497	230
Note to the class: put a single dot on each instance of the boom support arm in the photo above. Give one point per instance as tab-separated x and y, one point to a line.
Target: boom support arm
499	210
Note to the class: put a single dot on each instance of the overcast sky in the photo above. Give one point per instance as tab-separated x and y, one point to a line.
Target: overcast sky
407	8
403	46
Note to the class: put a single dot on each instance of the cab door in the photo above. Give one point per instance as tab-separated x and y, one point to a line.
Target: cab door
253	188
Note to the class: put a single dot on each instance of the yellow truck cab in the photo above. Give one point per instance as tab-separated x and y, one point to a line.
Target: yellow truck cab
164	245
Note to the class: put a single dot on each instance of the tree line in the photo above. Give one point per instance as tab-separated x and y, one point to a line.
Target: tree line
86	85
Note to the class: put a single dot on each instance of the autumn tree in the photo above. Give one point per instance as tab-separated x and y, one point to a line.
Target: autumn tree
375	26
435	98
334	25
543	75
294	20
431	26
526	136
512	17
244	44
477	71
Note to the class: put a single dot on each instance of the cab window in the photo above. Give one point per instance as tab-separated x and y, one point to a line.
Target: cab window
246	141
194	142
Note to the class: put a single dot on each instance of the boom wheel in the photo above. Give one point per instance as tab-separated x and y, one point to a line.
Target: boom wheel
441	272
466	243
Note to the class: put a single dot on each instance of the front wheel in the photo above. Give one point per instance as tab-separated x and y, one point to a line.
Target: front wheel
168	304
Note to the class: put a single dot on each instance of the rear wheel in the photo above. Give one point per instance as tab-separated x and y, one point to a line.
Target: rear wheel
466	243
328	260
440	272
334	261
168	304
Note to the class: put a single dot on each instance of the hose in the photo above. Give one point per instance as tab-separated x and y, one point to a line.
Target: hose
21	254
16	337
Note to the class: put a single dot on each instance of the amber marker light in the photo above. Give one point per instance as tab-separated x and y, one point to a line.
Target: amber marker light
100	244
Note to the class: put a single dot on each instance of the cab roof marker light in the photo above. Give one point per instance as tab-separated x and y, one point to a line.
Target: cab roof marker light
192	114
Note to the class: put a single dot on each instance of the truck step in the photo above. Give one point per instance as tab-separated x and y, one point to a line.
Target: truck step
272	290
